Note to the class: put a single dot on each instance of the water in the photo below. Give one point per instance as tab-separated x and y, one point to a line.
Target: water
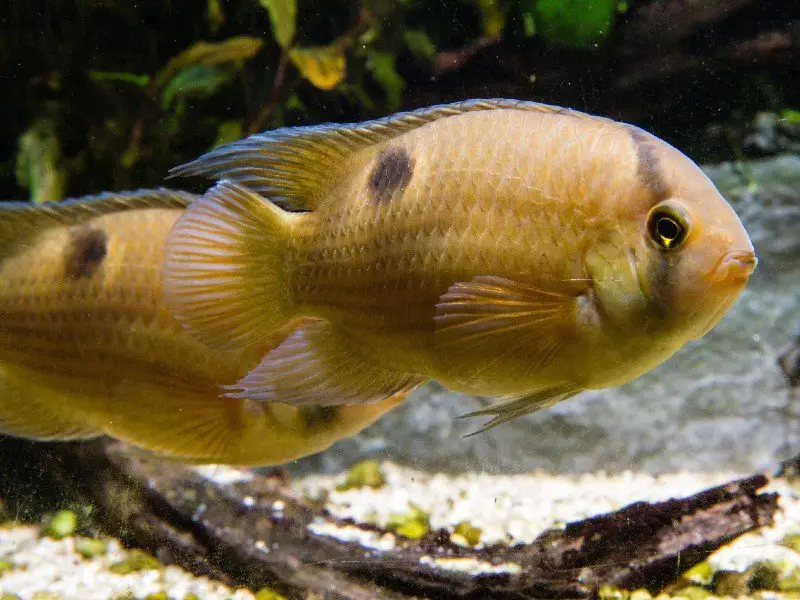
105	96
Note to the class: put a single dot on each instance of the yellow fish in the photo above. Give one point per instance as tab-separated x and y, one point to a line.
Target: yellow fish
87	346
507	249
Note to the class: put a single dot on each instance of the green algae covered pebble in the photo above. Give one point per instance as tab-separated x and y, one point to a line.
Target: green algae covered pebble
136	560
413	524
791	582
764	575
609	592
90	548
157	596
367	473
701	574
792	541
640	595
468	532
46	596
268	594
61	525
730	583
7	596
414	530
191	596
5	565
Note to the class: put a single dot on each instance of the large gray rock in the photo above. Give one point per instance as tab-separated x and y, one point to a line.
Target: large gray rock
718	403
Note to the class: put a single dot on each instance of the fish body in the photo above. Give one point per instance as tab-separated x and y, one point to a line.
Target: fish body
88	347
506	249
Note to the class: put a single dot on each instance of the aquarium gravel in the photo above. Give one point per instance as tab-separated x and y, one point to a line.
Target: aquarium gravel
478	509
63	567
508	509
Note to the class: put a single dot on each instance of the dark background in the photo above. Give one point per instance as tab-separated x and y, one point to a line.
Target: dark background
87	79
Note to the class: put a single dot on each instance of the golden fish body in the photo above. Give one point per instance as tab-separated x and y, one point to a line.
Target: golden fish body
87	346
504	248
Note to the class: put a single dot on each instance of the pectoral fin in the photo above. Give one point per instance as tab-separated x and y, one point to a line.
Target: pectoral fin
315	366
509	408
499	317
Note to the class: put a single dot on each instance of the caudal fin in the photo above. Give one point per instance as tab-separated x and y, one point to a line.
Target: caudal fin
224	268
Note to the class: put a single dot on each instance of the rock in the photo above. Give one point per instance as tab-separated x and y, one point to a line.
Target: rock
719	403
772	134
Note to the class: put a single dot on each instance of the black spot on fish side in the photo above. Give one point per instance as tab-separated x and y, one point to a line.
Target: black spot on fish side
86	251
649	166
391	174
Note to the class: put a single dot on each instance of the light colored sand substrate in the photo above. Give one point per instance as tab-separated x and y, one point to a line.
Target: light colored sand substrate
497	509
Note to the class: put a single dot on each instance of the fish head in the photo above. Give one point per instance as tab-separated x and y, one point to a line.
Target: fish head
694	256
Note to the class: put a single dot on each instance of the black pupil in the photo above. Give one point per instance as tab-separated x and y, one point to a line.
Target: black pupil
667	229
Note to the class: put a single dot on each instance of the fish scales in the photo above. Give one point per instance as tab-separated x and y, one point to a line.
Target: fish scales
505	248
384	263
87	346
77	324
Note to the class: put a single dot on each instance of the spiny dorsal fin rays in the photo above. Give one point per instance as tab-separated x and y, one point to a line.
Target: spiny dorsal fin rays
223	267
19	221
295	166
513	407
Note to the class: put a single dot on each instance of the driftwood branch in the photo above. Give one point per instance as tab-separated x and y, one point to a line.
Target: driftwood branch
255	533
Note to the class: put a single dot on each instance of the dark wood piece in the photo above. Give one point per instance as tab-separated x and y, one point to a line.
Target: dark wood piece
256	534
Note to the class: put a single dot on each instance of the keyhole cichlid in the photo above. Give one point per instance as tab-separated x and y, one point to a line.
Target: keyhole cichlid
88	347
507	249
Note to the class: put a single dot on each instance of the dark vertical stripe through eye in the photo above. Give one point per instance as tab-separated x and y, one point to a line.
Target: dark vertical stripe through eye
649	166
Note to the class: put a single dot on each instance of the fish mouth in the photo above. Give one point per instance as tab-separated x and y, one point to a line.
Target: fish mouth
734	267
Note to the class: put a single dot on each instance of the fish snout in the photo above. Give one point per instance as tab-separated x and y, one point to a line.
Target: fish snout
735	267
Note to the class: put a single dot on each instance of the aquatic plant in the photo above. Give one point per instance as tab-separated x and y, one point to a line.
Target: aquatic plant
87	111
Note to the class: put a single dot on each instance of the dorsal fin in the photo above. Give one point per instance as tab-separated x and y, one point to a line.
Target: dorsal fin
19	221
295	166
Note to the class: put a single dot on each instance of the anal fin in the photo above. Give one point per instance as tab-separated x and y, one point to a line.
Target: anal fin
508	408
315	366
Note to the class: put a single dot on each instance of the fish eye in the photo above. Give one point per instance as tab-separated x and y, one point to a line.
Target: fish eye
668	226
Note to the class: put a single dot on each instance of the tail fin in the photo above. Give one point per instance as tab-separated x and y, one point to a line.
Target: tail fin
223	271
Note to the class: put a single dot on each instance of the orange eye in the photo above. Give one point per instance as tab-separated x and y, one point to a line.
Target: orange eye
667	227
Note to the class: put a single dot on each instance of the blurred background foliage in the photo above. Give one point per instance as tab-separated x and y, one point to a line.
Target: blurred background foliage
109	94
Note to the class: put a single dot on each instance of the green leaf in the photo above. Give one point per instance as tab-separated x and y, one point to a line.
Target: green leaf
141	81
791	116
234	49
228	131
324	66
383	70
283	15
196	81
214	15
293	102
575	23
38	151
493	19
419	43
